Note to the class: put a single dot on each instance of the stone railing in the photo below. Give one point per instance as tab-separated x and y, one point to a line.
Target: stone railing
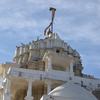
35	74
90	84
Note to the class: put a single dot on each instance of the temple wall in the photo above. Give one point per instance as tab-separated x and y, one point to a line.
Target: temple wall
97	93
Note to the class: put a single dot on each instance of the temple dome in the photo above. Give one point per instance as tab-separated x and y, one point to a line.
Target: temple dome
70	91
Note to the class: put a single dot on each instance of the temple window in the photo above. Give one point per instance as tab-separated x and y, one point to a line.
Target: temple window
57	51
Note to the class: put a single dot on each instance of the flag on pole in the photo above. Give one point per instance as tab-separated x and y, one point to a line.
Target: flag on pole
49	28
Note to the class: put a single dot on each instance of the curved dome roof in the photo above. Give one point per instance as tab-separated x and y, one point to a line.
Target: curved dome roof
72	91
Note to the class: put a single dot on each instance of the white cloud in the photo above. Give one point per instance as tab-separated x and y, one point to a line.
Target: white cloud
16	23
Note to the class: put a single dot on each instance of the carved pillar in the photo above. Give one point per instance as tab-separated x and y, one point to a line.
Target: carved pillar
20	59
29	91
7	92
30	55
25	58
48	83
71	71
49	64
48	87
71	67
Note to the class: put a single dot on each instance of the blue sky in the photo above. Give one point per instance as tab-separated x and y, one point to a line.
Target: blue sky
77	22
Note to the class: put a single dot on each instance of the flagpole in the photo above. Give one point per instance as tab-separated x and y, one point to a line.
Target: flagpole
52	19
49	29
